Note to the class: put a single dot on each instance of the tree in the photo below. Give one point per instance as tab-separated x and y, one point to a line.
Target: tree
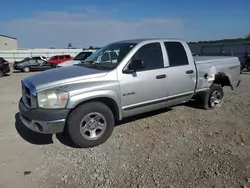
248	36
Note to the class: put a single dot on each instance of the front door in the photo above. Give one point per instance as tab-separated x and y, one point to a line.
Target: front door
144	90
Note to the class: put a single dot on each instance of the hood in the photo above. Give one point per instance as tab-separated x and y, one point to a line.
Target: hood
68	63
61	76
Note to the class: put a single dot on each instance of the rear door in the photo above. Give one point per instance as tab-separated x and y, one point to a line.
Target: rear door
181	73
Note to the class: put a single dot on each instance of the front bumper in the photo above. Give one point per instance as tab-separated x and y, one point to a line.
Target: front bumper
46	121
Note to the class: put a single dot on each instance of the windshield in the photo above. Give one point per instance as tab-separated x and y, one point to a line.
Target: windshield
109	56
82	56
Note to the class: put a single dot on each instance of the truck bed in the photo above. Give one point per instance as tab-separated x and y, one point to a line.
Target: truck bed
211	65
212	59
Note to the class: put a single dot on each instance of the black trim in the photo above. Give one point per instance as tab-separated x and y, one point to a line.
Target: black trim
156	102
43	114
161	76
189	71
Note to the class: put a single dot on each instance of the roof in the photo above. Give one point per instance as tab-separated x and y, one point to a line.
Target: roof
8	37
146	39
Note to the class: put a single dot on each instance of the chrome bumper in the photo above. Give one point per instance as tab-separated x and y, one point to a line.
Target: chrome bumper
44	127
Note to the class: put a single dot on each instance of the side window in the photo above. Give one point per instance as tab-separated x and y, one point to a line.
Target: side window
61	57
36	58
67	57
33	62
40	62
105	57
151	55
54	58
176	54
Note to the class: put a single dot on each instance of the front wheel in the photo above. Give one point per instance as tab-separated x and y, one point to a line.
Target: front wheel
90	124
213	98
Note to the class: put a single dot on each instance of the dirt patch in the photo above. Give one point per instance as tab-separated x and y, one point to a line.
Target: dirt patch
179	147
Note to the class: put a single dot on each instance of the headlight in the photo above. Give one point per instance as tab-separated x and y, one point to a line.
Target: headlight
52	99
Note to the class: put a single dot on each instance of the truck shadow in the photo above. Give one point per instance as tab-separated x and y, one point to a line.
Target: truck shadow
31	136
45	139
64	138
142	116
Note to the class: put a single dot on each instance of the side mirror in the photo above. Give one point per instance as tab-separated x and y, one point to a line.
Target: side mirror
134	65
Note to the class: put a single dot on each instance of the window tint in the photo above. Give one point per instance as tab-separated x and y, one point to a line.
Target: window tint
151	55
33	62
113	55
82	56
35	58
105	57
54	58
67	57
176	54
61	57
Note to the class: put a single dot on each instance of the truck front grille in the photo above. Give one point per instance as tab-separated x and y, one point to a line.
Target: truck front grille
27	96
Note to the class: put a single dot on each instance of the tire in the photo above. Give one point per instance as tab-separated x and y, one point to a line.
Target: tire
248	66
213	98
26	69
80	131
1	73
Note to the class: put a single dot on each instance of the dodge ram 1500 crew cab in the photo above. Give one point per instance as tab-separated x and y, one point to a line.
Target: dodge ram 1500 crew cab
148	74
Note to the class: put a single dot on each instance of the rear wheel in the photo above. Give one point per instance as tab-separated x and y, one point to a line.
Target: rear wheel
26	69
213	98
90	124
248	66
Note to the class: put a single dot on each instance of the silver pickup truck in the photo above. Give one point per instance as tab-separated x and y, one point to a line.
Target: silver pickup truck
87	99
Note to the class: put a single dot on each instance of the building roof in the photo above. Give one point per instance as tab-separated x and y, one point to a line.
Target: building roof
8	37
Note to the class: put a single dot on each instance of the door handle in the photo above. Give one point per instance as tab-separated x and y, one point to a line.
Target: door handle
189	71
161	76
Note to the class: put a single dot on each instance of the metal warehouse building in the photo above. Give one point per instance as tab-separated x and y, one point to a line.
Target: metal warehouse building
7	43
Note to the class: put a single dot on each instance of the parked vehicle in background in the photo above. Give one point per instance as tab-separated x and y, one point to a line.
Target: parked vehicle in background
57	59
245	62
78	58
4	67
33	57
109	56
33	64
148	74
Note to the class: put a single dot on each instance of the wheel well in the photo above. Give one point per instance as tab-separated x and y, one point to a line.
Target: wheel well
222	79
107	101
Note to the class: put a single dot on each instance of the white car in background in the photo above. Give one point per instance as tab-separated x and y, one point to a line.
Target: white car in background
78	58
108	56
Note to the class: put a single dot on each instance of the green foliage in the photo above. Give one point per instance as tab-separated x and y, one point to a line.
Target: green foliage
246	38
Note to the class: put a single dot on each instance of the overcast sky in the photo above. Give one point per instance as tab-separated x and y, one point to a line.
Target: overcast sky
41	24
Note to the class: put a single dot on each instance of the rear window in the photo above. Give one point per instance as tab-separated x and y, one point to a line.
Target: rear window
177	55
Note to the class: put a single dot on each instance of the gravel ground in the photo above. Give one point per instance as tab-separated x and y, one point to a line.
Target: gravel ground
179	147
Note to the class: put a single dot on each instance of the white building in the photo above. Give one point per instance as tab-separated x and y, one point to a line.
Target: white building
8	43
